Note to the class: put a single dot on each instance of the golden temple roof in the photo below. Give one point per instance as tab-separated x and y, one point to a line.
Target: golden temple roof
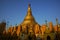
29	19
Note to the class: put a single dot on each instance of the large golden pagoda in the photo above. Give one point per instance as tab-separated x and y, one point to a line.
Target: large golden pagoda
29	19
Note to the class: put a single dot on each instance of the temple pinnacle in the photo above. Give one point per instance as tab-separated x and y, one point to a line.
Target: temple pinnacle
29	19
29	12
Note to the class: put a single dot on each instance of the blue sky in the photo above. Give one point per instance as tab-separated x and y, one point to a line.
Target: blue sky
14	11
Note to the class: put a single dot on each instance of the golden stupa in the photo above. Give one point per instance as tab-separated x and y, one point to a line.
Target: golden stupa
29	19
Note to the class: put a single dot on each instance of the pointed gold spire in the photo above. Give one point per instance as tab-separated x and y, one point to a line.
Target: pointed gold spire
29	19
29	12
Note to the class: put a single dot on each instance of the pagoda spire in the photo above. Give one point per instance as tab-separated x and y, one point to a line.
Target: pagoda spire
56	21
46	23
29	12
29	19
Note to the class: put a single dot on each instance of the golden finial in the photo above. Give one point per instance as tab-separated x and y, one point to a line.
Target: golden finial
29	12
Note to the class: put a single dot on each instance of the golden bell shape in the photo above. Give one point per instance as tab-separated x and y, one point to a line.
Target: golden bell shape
29	19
